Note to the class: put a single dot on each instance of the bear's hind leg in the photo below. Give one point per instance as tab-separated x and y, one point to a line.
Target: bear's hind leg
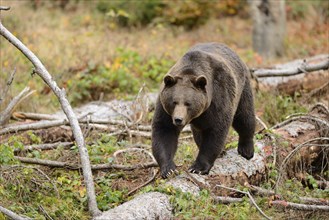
244	123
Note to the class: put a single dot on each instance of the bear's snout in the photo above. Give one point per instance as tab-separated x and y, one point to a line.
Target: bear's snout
178	121
179	116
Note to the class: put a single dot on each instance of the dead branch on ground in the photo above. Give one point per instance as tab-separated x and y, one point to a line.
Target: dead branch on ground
250	198
6	114
297	206
49	146
5	8
60	94
106	166
294	70
11	214
292	153
131	192
298	75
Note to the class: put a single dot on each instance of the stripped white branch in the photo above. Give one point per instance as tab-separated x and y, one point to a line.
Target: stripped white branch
297	206
6	114
41	70
11	214
5	8
250	197
302	68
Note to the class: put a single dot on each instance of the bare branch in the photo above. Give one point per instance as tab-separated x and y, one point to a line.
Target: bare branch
302	117
32	126
11	214
49	146
6	114
320	107
250	197
314	201
49	163
302	68
45	212
5	8
123	167
262	123
297	206
91	120
227	200
115	154
106	166
35	116
144	184
292	153
60	94
319	91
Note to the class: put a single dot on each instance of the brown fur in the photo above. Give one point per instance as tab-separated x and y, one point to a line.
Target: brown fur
208	88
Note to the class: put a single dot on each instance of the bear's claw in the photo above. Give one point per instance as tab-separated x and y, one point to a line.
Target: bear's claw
168	170
199	169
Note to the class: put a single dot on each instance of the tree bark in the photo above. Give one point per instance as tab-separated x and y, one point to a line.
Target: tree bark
302	74
269	21
148	206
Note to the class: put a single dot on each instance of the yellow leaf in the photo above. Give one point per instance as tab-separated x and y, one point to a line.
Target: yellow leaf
82	191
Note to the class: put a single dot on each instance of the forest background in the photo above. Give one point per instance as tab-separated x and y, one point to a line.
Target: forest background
104	50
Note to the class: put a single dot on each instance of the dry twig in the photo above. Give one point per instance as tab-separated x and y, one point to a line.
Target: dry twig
144	184
302	117
115	154
6	114
297	206
320	107
293	152
5	8
45	213
227	200
66	165
50	146
250	197
11	214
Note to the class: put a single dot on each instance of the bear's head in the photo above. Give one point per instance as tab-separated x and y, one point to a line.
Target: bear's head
184	97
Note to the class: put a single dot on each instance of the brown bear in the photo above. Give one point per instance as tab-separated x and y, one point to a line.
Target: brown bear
209	89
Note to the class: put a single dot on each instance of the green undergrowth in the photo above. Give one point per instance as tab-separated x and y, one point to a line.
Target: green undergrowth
61	193
275	107
126	73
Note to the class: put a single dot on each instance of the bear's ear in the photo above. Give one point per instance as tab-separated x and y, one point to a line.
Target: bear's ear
169	80
200	82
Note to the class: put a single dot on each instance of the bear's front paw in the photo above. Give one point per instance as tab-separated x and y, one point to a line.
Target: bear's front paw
246	149
199	168
168	170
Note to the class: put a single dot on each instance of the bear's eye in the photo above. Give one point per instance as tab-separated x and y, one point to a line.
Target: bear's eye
175	103
187	104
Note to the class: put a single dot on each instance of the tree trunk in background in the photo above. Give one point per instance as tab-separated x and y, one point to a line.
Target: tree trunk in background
269	21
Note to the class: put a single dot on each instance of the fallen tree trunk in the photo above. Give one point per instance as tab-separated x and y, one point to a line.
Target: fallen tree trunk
153	205
303	74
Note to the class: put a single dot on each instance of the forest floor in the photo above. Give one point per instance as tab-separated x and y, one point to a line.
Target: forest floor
80	43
